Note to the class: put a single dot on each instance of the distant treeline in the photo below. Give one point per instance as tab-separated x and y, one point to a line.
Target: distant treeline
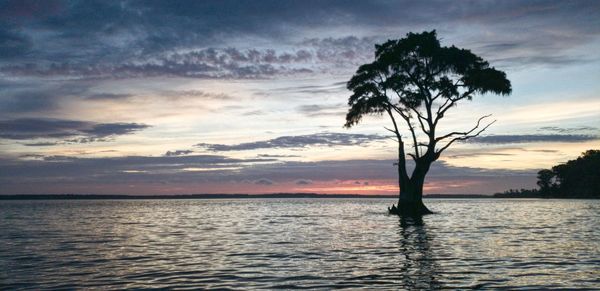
579	178
217	196
185	196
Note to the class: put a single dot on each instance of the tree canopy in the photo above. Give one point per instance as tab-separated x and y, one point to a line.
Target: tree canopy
578	178
415	81
410	76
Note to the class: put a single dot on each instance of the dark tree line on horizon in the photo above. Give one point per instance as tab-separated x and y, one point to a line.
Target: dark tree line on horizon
579	178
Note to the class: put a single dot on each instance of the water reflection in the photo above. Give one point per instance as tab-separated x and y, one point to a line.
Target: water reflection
298	244
418	266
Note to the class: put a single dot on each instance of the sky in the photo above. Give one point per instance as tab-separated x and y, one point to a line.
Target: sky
182	97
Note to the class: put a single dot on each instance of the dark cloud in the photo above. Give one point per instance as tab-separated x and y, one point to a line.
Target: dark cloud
508	139
314	110
109	96
527	61
30	102
264	181
558	129
178	153
194	39
254	113
195	94
41	144
13	43
314	89
479	154
148	170
82	131
53	169
277	156
36	96
358	170
108	129
298	141
303	182
204	63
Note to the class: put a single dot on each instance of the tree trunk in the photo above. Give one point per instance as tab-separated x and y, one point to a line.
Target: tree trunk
410	202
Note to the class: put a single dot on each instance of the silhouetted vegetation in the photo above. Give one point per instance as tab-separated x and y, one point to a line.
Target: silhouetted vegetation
519	193
579	178
184	196
415	81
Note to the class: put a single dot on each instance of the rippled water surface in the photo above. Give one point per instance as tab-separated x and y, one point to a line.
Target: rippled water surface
298	243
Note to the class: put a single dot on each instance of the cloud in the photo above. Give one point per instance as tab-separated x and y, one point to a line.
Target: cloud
559	129
509	139
195	94
53	169
254	113
114	172
30	101
41	144
264	181
303	182
13	43
108	129
314	89
298	141
479	154
36	96
109	96
314	110
277	156
178	153
82	131
200	40
206	63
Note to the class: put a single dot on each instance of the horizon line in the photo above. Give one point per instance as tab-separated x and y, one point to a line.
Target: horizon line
220	196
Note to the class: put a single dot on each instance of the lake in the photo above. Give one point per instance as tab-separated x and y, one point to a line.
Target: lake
298	244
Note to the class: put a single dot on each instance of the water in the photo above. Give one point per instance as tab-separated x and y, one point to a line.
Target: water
298	244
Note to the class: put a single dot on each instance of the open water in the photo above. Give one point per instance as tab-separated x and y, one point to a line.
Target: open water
298	244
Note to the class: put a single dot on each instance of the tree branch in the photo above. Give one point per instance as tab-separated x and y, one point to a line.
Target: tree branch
464	132
410	127
464	135
449	103
420	117
413	157
395	130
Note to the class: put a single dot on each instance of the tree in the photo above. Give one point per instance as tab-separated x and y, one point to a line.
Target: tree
416	81
580	177
545	181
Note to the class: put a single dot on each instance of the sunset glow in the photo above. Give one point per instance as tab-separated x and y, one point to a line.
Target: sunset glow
149	98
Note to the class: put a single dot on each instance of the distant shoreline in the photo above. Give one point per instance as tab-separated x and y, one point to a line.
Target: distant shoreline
218	196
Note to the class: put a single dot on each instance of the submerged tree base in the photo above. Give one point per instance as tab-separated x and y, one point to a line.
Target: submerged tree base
411	209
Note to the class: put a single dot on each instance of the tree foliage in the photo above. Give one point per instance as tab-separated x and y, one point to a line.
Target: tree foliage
545	180
418	80
415	81
577	178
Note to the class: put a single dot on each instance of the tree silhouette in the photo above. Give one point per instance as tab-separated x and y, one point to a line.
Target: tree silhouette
545	181
416	81
579	177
